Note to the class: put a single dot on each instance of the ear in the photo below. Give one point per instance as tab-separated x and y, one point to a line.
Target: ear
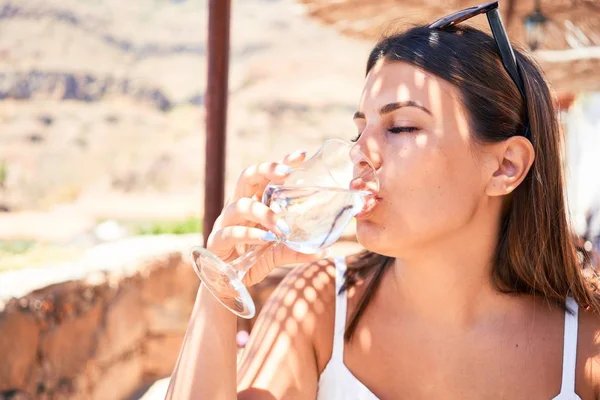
514	157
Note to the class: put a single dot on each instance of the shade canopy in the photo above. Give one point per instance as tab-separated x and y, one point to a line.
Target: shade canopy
569	51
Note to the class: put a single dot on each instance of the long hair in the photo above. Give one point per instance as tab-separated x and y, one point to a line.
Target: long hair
535	253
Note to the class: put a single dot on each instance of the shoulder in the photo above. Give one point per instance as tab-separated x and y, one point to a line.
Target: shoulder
287	340
588	347
319	275
306	291
307	297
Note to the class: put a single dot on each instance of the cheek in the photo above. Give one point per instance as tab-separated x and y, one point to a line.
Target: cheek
432	189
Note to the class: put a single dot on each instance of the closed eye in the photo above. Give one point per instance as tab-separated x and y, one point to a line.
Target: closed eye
403	129
395	130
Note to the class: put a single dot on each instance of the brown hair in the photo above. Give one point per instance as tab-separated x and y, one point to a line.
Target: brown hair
536	252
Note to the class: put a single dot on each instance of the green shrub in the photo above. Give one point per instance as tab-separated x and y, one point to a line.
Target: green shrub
16	246
190	225
3	173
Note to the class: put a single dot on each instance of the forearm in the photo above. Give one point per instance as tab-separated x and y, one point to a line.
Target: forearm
206	367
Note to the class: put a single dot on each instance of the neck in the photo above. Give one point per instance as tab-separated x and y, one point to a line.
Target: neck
447	283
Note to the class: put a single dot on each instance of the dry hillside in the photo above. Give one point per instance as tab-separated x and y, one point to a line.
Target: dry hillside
104	99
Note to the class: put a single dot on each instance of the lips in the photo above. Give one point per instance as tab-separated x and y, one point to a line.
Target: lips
370	204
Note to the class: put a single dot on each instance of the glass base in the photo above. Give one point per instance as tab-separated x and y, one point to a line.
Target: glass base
222	282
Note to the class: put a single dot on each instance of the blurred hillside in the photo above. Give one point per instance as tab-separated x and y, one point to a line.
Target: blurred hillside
102	102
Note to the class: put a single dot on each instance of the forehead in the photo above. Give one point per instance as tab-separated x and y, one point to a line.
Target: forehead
397	81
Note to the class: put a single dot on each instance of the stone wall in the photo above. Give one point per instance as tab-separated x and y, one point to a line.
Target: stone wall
107	326
101	333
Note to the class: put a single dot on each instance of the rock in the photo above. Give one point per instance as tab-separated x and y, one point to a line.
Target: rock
160	282
67	346
124	325
19	339
171	315
169	294
102	327
76	86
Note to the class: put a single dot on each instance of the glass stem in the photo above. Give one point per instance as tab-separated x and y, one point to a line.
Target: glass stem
246	261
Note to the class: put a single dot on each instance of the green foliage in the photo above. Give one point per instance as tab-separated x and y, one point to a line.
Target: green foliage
3	173
190	225
16	246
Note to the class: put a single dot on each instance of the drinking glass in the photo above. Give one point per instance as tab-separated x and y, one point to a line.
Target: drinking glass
317	201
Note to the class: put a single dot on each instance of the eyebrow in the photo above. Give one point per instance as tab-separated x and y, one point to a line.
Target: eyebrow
388	108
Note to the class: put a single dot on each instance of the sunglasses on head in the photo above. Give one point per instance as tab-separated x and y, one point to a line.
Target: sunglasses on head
507	55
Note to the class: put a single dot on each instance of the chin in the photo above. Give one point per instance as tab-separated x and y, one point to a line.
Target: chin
370	235
378	238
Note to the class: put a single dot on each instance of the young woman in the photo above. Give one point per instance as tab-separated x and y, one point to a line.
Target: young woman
470	287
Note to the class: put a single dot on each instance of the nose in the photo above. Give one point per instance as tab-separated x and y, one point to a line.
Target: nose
365	170
368	152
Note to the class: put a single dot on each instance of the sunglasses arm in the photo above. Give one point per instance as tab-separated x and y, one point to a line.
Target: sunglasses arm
505	49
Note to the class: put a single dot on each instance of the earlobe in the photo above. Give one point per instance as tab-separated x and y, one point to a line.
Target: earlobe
515	157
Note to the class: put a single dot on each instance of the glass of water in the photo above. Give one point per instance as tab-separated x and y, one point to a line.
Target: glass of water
317	200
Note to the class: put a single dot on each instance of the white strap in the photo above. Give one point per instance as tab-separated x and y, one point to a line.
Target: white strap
570	347
340	310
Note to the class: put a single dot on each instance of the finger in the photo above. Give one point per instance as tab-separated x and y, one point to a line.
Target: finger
248	210
294	158
278	256
231	236
255	178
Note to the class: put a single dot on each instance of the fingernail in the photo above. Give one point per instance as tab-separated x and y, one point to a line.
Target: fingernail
283	227
282	169
298	153
268	237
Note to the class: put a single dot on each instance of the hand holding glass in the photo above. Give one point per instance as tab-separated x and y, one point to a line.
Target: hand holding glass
317	201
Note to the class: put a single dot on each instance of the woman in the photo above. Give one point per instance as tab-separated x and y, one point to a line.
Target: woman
470	287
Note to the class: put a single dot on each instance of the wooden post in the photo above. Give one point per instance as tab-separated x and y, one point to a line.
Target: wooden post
216	110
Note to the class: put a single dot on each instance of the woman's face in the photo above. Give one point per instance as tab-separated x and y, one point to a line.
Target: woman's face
414	128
